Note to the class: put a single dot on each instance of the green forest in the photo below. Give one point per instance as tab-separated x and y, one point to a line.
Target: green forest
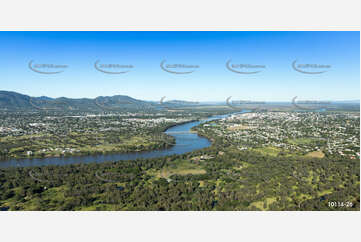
215	178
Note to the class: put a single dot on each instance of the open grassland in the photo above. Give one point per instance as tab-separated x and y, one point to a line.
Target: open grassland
316	154
272	151
179	168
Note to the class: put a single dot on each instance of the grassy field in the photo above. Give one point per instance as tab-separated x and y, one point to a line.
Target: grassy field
179	168
263	205
315	154
272	151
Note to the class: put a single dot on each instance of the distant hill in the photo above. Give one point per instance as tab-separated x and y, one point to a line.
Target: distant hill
11	100
15	101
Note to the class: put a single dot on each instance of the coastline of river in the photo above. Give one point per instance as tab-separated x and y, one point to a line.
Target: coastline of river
185	141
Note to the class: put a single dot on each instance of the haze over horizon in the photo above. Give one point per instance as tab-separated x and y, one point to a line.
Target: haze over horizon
165	99
278	81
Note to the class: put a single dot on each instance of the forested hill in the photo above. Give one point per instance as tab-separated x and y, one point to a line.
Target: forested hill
10	101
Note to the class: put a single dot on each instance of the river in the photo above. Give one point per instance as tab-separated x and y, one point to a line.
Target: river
185	142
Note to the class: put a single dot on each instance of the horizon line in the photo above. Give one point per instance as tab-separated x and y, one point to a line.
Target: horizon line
186	100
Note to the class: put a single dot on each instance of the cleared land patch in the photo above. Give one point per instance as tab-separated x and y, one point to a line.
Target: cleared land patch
315	154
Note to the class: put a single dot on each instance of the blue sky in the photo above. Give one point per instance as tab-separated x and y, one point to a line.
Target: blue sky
210	50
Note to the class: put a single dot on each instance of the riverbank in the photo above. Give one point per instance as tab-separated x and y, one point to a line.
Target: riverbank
185	141
156	141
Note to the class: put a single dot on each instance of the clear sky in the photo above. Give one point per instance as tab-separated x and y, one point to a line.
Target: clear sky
210	50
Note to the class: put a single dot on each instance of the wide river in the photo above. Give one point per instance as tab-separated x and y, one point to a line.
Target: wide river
185	142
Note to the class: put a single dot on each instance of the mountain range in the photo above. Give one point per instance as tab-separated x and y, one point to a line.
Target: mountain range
15	101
